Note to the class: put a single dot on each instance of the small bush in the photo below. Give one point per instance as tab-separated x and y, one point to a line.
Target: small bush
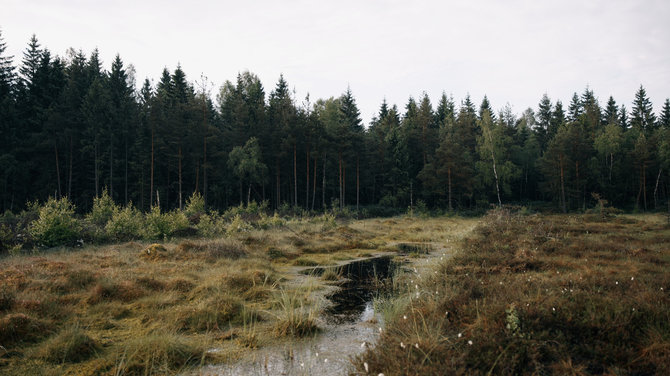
56	224
195	205
211	225
71	345
237	225
159	225
265	222
103	209
125	224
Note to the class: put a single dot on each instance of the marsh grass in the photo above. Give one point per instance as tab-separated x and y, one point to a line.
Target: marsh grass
160	353
296	315
537	295
70	345
158	312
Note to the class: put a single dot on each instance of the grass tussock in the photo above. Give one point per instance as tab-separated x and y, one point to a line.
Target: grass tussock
70	345
16	328
537	295
160	353
295	317
106	290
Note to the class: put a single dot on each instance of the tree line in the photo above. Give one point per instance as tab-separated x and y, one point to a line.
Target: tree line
71	128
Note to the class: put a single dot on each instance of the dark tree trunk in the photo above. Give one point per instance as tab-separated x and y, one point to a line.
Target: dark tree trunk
57	170
151	179
69	182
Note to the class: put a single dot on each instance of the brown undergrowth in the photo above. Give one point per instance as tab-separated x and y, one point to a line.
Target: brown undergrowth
561	295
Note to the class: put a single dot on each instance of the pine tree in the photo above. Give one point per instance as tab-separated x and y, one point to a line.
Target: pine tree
642	117
8	133
31	62
486	106
664	119
7	75
623	117
611	114
575	108
557	119
445	112
544	114
352	120
282	116
591	114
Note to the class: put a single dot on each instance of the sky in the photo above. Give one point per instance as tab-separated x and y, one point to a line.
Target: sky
513	51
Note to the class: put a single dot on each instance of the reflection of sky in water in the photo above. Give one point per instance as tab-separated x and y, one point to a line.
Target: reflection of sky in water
328	353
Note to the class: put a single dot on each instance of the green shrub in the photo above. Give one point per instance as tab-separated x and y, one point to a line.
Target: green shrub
103	209
211	225
265	222
56	224
159	225
195	205
125	224
237	225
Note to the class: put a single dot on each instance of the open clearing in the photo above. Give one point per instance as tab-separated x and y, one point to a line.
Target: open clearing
503	294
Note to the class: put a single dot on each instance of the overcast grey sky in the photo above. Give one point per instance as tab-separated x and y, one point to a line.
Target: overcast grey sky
513	51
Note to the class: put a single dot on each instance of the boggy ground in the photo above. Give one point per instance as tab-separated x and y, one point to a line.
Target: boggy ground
138	308
537	295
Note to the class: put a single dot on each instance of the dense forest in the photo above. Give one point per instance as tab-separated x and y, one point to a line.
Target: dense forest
71	128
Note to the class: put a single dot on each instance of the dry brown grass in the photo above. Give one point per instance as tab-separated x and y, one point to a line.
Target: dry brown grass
538	295
178	299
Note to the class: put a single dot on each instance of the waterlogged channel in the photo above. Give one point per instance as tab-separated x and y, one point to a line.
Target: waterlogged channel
349	325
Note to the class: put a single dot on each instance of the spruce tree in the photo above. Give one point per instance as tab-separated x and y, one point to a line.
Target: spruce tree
486	106
445	113
611	114
623	117
642	117
664	119
31	62
7	75
557	119
544	114
575	108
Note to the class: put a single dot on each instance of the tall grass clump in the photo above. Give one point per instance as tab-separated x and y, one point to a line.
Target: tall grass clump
295	317
56	224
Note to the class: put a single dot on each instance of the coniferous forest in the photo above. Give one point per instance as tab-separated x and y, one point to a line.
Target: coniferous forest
72	127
